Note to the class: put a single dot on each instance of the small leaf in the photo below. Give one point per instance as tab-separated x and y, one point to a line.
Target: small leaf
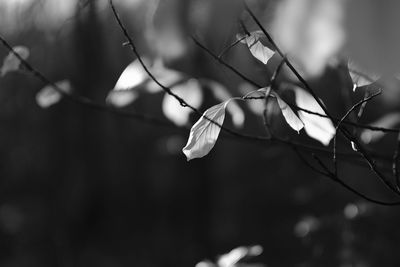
204	133
12	62
133	76
290	117
359	75
257	48
221	93
49	96
317	127
191	92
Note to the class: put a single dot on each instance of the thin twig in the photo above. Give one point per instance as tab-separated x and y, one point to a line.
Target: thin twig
344	131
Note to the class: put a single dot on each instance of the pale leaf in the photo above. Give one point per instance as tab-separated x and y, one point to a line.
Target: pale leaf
317	127
360	76
291	118
191	92
257	48
204	133
49	96
221	93
12	62
124	92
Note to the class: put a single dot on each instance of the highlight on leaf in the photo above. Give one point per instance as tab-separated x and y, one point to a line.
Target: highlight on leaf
204	133
317	127
291	118
256	47
12	62
193	95
221	93
359	76
124	92
49	95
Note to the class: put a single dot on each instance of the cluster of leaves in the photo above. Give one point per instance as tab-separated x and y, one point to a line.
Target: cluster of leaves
134	80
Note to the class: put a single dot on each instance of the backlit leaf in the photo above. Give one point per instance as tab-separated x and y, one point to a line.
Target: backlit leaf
256	47
49	96
191	92
124	92
291	118
317	127
204	133
359	76
11	62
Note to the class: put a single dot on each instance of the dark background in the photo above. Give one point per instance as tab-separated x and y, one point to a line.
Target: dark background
80	187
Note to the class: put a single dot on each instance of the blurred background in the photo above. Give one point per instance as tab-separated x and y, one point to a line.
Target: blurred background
80	187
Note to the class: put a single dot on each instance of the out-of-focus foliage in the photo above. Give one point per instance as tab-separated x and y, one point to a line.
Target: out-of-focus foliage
86	188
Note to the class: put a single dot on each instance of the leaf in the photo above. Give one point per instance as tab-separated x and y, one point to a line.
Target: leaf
204	133
49	96
317	127
359	76
388	121
233	257
133	76
257	48
291	118
191	92
12	62
221	93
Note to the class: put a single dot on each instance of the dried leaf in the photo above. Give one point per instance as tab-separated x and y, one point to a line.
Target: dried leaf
317	127
12	62
191	92
204	133
49	96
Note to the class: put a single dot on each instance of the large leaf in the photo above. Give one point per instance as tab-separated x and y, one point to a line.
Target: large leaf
317	127
291	118
12	62
256	47
360	76
221	93
49	96
191	92
204	133
133	76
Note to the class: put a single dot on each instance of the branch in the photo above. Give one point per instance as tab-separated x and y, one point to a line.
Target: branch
344	131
